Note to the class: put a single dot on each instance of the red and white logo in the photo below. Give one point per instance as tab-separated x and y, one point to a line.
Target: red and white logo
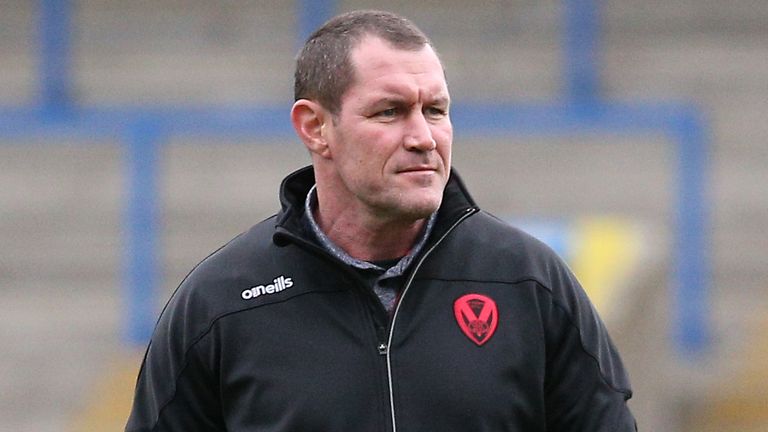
477	317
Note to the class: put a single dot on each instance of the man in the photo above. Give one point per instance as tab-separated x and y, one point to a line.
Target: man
380	298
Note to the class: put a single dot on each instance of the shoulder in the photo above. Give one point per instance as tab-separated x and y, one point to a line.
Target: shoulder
236	261
488	247
214	287
251	271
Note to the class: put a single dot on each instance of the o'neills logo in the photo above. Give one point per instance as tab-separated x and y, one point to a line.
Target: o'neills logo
280	283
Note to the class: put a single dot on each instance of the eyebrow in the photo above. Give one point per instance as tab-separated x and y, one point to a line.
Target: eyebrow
399	100
389	100
442	100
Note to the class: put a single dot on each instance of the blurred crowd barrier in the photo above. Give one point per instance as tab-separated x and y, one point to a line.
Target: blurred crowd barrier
66	190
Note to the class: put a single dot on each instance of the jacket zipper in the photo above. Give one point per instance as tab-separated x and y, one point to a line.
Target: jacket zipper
384	349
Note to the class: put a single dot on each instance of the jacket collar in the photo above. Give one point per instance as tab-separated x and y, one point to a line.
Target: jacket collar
295	186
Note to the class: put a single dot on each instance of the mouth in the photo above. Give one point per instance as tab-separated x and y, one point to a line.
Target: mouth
418	169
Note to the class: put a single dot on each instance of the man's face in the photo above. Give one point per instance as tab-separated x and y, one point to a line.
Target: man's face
390	143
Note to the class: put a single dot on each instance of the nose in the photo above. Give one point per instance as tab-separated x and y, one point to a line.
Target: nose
418	136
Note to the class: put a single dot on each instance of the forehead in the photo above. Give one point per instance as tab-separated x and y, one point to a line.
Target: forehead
379	66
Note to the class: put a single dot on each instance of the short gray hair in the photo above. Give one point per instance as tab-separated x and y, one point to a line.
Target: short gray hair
324	70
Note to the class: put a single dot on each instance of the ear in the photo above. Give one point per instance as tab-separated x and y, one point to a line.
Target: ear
309	119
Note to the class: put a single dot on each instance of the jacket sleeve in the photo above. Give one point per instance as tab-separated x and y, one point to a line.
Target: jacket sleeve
586	385
177	389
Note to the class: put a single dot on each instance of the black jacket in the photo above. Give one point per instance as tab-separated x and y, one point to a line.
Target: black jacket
271	333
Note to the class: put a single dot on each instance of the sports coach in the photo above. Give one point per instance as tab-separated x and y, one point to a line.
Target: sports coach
380	297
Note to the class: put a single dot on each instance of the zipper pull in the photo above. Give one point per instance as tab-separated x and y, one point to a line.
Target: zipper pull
382	349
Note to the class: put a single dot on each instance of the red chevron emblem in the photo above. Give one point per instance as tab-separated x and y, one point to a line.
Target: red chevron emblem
477	317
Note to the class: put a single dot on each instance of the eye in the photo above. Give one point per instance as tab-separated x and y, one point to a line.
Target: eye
436	112
389	112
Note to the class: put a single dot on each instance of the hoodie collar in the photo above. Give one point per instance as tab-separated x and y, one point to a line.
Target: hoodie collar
296	186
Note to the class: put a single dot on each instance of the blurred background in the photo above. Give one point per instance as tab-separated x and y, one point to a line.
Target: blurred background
136	137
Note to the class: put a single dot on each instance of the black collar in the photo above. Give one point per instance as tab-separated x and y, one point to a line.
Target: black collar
294	188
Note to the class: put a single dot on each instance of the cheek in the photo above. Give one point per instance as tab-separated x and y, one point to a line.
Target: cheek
364	157
376	148
444	140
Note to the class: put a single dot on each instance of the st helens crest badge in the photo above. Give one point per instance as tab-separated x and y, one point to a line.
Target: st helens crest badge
477	317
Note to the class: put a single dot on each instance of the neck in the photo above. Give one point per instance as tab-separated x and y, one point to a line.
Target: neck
366	238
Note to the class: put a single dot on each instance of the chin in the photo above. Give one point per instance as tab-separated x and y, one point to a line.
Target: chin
422	208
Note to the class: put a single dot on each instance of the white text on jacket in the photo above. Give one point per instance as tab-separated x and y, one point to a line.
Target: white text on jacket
280	283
